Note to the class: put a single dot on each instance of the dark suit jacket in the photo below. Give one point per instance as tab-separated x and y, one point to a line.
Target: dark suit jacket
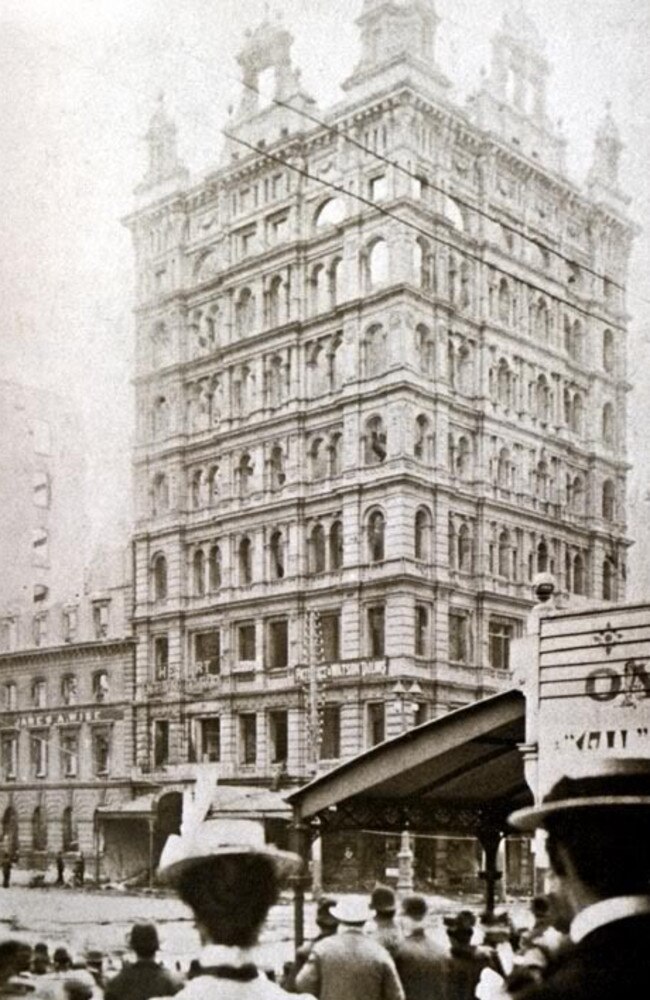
610	963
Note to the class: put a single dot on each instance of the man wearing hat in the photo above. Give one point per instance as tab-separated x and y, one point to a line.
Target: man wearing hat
145	978
383	927
229	878
350	964
598	837
327	925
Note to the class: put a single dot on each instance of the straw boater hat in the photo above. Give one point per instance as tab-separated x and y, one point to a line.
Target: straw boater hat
351	910
619	783
213	838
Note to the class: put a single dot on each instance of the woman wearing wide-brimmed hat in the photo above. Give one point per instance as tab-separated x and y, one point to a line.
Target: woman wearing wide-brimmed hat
229	878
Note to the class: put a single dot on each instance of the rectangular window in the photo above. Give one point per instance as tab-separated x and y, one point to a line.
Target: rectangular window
277	228
9	756
161	657
276	185
378	188
69	689
376	631
69	743
277	653
245	240
421	630
210	739
160	742
10	697
38	740
248	738
330	630
279	736
376	722
100	619
246	642
207	653
39	694
330	743
7	635
101	751
70	621
459	637
500	635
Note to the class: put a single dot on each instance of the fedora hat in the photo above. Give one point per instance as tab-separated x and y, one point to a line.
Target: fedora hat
382	899
214	838
619	782
351	910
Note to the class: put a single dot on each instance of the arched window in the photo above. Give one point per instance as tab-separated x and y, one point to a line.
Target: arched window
577	411
245	474
464	370
275	311
318	289
504	554
69	836
374	442
576	341
504	469
336	545
608	425
335	450
505	303
39	829
423	264
462	458
198	573
317	373
160	493
197	489
541	320
609	581
376	264
578	495
245	562
331	213
609	500
608	351
275	381
464	543
276	468
421	533
244	313
542	557
504	383
334	281
579	583
317	563
541	480
426	350
374	351
543	399
159	571
214	568
214	484
376	531
160	417
276	552
422	439
160	345
318	458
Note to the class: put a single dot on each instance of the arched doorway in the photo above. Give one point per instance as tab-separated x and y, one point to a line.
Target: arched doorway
169	813
39	829
69	836
10	842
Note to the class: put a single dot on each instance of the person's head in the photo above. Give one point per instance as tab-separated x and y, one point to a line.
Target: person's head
62	959
144	940
382	901
598	828
15	957
351	912
460	928
325	921
40	959
414	910
230	895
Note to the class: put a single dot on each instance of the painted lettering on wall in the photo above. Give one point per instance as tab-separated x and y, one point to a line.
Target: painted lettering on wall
632	683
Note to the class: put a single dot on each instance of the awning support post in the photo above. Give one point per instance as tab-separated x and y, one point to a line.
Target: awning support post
150	822
300	843
490	840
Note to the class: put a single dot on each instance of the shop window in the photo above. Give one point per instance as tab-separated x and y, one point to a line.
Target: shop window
330	742
207	653
279	736
375	722
210	737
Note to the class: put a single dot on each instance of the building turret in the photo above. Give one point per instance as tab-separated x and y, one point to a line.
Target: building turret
397	42
512	100
165	166
603	180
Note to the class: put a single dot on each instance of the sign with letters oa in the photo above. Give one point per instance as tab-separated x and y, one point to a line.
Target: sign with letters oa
594	688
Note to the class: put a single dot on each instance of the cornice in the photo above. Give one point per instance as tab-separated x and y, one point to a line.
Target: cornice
68	651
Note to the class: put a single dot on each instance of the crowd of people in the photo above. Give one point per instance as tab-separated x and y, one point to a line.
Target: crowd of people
588	939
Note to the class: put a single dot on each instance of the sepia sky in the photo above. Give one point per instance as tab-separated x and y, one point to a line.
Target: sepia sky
79	80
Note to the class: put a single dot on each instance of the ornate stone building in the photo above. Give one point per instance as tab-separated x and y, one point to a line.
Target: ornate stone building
381	383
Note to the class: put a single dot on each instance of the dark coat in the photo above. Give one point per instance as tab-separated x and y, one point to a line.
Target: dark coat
140	981
421	966
610	963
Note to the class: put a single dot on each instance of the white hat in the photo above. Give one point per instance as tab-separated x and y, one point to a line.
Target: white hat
213	838
351	910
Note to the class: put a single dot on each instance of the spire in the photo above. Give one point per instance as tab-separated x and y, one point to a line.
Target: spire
401	34
607	154
161	139
511	101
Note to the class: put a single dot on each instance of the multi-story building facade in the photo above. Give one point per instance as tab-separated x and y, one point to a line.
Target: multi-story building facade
380	385
66	735
44	528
